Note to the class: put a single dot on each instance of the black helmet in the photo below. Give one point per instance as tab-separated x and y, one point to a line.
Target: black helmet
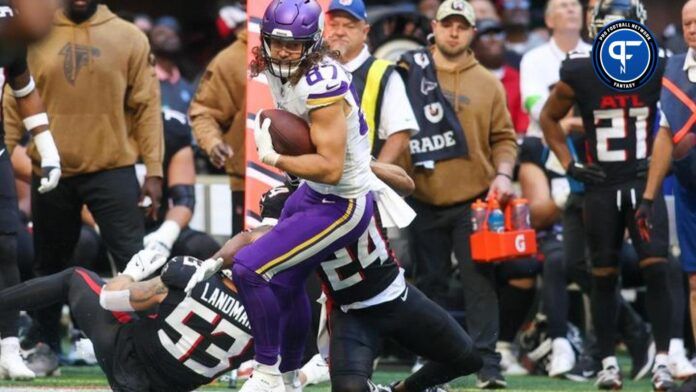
607	11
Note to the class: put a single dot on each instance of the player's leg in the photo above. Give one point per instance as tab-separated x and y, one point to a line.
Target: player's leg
194	243
295	324
426	329
112	198
56	219
354	344
313	227
604	226
652	256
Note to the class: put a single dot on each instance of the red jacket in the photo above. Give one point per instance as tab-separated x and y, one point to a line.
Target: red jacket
511	82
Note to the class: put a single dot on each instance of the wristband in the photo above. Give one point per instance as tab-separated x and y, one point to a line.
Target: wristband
509	177
35	121
26	90
115	300
47	149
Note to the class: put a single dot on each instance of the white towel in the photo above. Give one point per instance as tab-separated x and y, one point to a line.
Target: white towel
393	210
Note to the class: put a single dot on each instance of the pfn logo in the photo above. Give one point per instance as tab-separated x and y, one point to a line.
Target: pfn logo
621	55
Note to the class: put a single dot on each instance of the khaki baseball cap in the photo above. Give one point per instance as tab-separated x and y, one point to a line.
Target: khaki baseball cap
456	7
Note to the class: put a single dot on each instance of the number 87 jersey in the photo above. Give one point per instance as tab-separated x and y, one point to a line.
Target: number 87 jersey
618	125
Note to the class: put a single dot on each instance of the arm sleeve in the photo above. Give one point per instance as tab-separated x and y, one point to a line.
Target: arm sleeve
503	140
215	103
534	92
396	113
12	121
143	103
19	65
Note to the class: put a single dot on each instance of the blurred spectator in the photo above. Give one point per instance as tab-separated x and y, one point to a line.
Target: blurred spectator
673	39
539	69
170	234
485	9
103	100
230	18
143	22
516	21
383	97
428	8
489	48
468	99
218	118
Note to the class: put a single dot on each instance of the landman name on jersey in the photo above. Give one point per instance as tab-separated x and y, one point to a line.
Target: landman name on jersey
226	304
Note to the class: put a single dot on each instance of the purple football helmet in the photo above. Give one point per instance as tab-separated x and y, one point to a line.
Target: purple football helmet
295	21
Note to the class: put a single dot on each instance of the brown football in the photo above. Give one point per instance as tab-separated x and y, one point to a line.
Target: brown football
290	133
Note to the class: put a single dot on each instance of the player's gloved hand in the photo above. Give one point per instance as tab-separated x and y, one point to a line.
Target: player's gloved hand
264	144
162	239
589	174
50	161
204	271
643	218
143	264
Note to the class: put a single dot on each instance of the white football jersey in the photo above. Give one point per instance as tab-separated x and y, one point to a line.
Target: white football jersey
323	85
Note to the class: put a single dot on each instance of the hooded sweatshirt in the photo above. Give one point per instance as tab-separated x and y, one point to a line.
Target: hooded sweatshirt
478	98
98	82
218	111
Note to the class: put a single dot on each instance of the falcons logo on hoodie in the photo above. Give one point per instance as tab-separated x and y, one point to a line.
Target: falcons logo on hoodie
76	57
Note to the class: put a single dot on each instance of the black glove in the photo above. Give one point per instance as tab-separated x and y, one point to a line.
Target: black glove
643	217
590	174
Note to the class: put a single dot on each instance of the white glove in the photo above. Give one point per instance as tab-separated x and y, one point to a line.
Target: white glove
264	144
50	161
144	264
162	239
204	271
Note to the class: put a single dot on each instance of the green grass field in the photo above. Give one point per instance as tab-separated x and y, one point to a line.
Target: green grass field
91	378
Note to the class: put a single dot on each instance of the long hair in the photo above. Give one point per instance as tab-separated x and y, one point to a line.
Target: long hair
258	64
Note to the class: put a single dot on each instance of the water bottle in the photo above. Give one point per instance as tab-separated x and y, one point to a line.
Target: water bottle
520	214
478	215
496	219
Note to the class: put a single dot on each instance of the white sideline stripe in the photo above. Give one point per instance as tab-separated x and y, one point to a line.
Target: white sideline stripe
257	175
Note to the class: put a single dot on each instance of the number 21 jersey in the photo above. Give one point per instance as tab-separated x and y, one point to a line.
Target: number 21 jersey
618	125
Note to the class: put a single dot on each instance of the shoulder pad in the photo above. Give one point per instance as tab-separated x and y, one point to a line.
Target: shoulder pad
178	271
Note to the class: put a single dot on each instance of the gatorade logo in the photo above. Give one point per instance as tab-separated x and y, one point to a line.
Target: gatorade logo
520	243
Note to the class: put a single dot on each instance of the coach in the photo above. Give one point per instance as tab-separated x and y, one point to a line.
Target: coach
464	106
218	119
382	93
95	73
675	146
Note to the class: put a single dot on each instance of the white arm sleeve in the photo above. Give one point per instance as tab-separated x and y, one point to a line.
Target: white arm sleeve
115	300
396	113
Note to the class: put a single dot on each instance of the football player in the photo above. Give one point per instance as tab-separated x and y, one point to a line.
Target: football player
21	22
614	179
330	210
193	339
368	299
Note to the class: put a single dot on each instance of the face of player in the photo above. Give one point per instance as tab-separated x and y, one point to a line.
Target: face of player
346	34
285	51
453	35
689	23
564	16
33	19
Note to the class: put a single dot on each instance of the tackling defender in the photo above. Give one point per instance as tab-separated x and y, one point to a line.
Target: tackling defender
193	339
21	22
332	209
614	181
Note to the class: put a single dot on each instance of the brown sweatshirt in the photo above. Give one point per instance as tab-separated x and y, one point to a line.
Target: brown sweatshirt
102	96
218	111
478	98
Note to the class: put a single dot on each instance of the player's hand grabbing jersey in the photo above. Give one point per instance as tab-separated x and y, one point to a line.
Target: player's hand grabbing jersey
355	273
618	125
194	338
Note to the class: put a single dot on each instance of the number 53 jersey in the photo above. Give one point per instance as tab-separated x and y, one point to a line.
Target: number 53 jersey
195	338
323	85
619	126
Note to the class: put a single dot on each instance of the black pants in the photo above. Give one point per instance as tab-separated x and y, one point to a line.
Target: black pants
112	198
416	323
80	288
435	234
9	224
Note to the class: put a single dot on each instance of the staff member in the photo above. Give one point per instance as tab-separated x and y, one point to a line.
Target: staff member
218	119
445	189
382	93
95	74
675	146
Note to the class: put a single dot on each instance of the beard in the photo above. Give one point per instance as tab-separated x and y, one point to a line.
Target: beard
449	51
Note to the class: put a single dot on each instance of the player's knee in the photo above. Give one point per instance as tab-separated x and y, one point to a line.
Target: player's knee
523	283
349	383
599	272
645	263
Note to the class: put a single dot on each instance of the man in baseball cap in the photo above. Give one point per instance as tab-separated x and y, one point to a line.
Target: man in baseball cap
456	7
356	8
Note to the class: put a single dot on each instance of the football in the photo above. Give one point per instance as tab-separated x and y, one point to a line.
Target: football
290	133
